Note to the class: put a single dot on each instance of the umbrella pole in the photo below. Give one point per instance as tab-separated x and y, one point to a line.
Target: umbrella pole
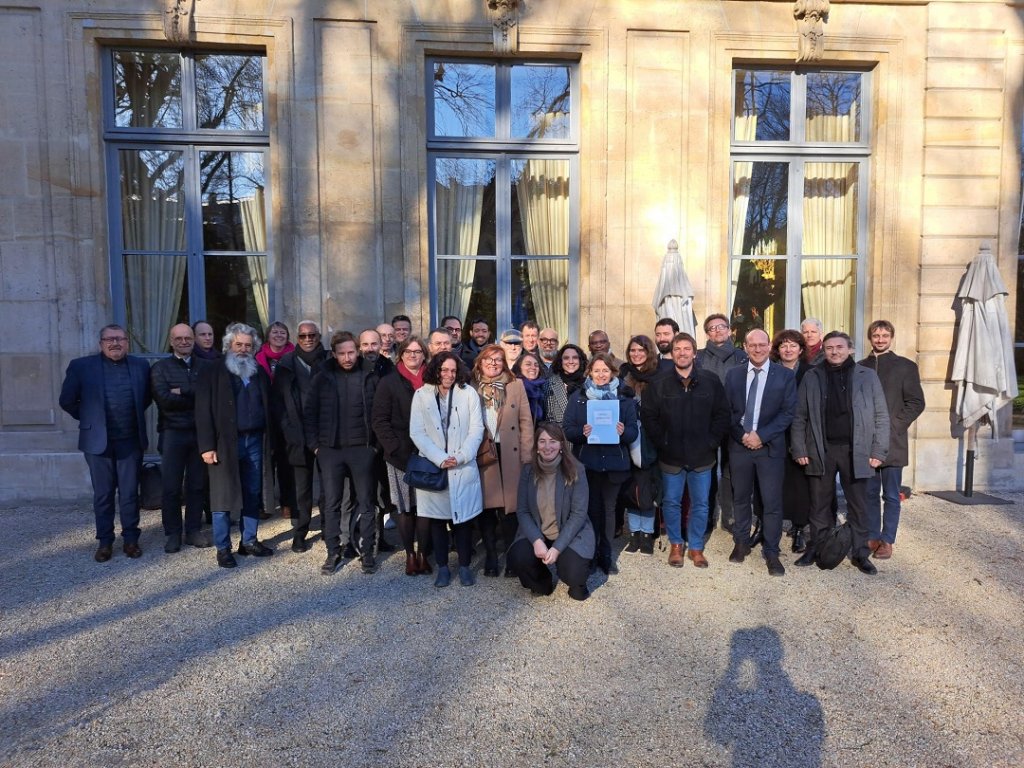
972	440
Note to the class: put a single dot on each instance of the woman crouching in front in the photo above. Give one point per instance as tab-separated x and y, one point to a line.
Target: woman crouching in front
446	425
553	525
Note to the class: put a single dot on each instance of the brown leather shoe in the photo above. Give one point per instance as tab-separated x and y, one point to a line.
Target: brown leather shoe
286	511
133	550
675	556
411	568
873	544
103	553
883	551
697	557
422	564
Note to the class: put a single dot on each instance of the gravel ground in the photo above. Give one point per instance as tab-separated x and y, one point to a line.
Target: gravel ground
170	661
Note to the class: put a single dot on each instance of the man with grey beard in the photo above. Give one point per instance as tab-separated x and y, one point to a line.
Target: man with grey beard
232	419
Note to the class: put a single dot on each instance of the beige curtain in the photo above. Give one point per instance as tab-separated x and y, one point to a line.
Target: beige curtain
153	219
254	236
746	130
458	210
543	191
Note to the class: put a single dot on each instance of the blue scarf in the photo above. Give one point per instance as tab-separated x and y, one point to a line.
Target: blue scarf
609	391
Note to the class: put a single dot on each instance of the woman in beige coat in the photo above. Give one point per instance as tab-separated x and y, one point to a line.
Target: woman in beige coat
506	411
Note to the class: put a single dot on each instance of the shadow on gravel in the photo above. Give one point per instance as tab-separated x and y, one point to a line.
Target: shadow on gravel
756	712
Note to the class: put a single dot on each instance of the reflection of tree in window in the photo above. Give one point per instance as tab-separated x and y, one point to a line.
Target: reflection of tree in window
765	97
833	100
147	89
229	92
540	102
765	231
229	181
464	92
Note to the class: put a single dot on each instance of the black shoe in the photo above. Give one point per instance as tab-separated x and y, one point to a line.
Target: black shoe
757	535
613	567
103	553
775	567
383	546
579	593
444	576
264	515
634	543
807	558
739	553
255	548
199	539
330	564
799	540
299	543
646	543
225	559
133	550
172	543
350	552
368	564
466	576
864	565
510	572
491	566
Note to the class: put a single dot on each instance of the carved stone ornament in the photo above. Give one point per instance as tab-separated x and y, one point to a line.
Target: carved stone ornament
811	17
179	22
505	18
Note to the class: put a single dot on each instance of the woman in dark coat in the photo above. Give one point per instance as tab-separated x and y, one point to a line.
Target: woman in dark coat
789	349
567	375
527	369
553	524
390	420
641	368
608	465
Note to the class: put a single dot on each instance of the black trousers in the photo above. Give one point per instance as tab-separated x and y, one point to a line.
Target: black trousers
535	575
756	474
463	541
355	464
181	463
604	493
302	512
839	459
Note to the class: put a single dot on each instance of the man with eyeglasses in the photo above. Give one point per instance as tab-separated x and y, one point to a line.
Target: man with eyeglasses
719	357
388	347
439	341
289	394
453	325
107	394
548	350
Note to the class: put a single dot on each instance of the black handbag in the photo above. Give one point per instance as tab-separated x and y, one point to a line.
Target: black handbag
423	474
836	546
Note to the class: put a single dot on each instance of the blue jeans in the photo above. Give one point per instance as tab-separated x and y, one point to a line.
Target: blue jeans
884	516
250	473
640	522
699	484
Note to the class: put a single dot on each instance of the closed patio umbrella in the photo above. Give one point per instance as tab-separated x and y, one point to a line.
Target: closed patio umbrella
673	296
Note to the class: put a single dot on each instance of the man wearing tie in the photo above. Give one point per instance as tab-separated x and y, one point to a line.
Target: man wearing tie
762	399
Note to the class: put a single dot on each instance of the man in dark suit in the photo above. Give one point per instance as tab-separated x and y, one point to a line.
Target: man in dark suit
762	399
108	394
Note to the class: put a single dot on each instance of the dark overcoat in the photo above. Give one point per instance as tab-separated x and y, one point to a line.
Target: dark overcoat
81	396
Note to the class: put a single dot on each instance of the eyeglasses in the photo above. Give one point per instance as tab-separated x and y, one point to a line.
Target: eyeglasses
452	330
413	352
114	339
308	335
491	361
718	327
548	341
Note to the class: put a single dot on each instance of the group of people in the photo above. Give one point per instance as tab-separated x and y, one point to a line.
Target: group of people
549	449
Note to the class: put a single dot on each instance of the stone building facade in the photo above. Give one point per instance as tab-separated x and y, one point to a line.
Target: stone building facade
349	160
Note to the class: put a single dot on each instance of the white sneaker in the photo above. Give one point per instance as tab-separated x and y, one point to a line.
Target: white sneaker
389	523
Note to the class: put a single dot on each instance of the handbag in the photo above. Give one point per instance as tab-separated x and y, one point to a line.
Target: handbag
423	474
836	546
487	453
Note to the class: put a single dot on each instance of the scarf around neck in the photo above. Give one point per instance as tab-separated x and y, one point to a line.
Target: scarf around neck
416	379
535	394
609	391
492	390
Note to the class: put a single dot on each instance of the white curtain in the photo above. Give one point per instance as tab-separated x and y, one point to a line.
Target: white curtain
254	236
458	211
152	213
543	191
746	130
828	286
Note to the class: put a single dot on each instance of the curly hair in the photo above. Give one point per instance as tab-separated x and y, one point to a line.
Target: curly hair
432	375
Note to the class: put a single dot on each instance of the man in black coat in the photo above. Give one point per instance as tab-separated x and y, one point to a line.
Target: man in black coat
901	384
293	382
232	423
174	381
336	420
108	394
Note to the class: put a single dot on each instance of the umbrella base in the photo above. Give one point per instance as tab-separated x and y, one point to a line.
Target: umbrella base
977	499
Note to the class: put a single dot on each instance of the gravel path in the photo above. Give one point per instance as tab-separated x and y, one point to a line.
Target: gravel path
170	661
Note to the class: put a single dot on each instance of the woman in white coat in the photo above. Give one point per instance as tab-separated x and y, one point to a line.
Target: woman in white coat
444	392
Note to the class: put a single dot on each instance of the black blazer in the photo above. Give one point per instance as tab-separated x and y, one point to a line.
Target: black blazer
82	398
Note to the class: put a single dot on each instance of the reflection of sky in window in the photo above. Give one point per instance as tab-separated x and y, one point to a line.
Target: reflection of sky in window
540	102
451	170
767	207
229	92
767	95
147	89
163	169
834	94
228	176
463	99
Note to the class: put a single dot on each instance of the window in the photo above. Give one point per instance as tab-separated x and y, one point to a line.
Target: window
186	150
503	169
800	148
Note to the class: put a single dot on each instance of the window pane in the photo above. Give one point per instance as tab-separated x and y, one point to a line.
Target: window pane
147	89
463	99
830	209
828	291
833	106
467	288
540	102
464	207
152	202
759	209
229	92
759	296
540	207
236	290
761	106
156	297
540	292
234	218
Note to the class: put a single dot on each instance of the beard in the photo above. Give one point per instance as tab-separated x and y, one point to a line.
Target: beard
241	365
665	349
548	357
